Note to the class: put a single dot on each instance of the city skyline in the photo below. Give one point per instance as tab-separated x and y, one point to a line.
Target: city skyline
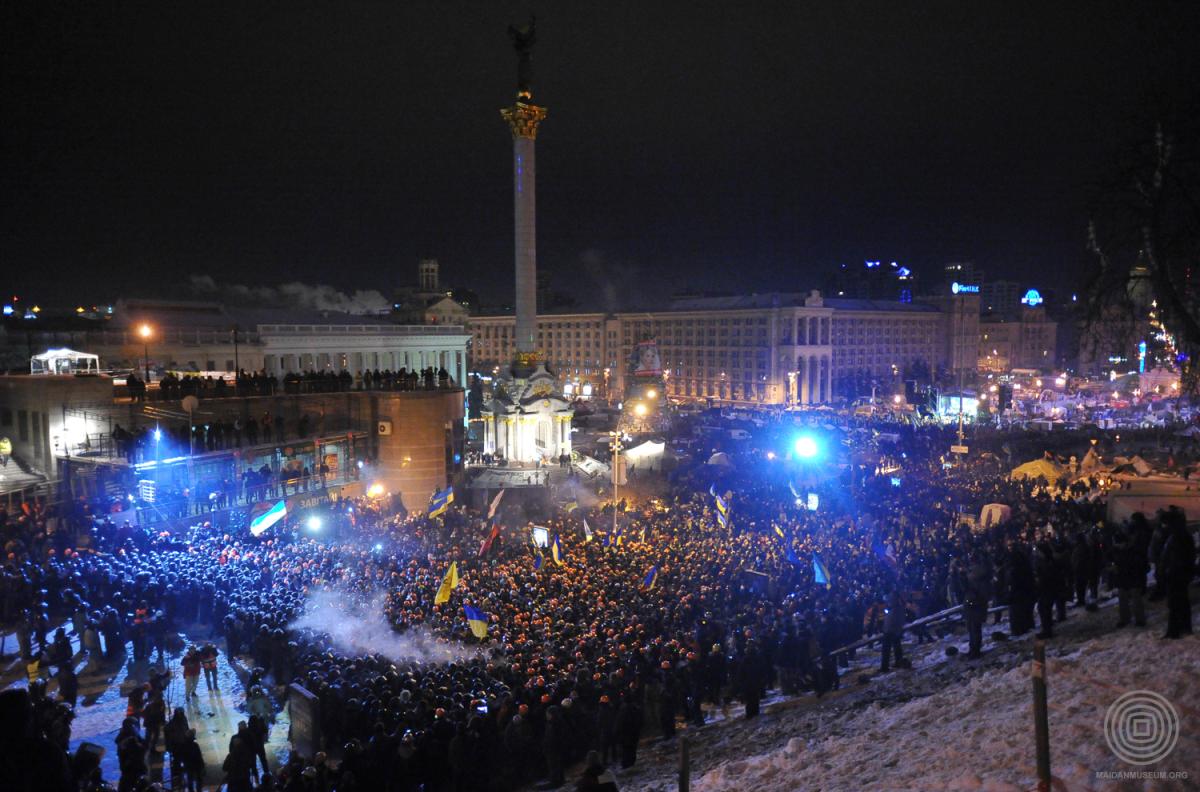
258	147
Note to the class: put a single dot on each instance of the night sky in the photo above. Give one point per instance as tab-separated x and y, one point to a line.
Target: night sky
722	146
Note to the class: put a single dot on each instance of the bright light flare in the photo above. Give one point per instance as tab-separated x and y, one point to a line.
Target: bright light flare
375	490
806	447
639	410
313	523
145	331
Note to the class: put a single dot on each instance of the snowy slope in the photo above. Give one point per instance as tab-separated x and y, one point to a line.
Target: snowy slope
978	735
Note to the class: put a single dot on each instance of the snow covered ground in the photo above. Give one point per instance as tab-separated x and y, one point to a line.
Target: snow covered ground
103	694
956	724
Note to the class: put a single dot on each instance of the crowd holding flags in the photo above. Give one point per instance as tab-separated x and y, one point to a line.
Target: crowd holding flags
587	532
651	578
449	583
441	501
538	559
477	621
556	552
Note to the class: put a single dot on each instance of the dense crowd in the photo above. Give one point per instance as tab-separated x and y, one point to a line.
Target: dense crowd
670	611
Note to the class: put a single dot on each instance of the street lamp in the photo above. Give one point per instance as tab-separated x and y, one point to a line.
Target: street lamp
145	331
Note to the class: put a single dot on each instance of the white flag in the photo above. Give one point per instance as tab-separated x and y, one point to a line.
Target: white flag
495	504
587	532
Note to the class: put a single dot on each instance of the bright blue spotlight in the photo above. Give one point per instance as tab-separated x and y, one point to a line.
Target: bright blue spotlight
379	547
314	523
157	434
806	447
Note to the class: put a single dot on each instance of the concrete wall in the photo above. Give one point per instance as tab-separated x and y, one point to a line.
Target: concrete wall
33	414
426	430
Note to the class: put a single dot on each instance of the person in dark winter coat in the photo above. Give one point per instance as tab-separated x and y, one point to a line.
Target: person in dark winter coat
1178	566
68	684
752	679
893	631
554	746
1049	582
629	730
193	762
595	777
977	594
1021	589
1131	565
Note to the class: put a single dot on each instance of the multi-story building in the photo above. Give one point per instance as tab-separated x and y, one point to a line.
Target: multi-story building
1027	342
779	348
1001	298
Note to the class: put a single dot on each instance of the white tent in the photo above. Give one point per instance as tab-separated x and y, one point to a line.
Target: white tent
720	459
64	361
994	514
647	456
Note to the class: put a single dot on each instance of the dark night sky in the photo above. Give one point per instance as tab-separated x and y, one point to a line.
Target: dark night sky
744	146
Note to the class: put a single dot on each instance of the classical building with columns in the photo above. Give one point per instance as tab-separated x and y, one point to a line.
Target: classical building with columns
210	338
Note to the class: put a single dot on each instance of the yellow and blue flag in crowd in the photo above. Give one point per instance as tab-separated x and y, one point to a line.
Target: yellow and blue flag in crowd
556	551
779	531
441	501
587	532
572	506
723	519
449	583
538	558
477	621
791	555
820	572
651	578
722	506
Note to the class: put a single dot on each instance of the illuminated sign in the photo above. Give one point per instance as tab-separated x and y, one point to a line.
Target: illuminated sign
1032	297
962	288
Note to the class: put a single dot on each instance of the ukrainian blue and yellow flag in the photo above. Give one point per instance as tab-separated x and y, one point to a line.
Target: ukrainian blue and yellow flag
477	620
620	536
556	552
572	506
538	558
820	572
723	519
722	505
441	501
779	531
791	556
587	532
651	578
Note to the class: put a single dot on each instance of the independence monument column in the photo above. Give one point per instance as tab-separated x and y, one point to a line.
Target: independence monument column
523	118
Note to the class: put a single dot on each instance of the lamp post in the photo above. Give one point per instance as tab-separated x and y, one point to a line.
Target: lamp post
616	474
145	331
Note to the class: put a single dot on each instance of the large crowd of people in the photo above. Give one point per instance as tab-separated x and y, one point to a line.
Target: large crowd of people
732	582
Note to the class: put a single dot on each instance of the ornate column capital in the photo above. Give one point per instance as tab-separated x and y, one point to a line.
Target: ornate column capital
523	119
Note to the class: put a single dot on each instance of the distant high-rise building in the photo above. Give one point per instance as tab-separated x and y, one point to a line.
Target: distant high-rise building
965	272
1001	298
872	280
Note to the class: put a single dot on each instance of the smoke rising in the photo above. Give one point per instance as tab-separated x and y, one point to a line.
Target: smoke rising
318	297
356	626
